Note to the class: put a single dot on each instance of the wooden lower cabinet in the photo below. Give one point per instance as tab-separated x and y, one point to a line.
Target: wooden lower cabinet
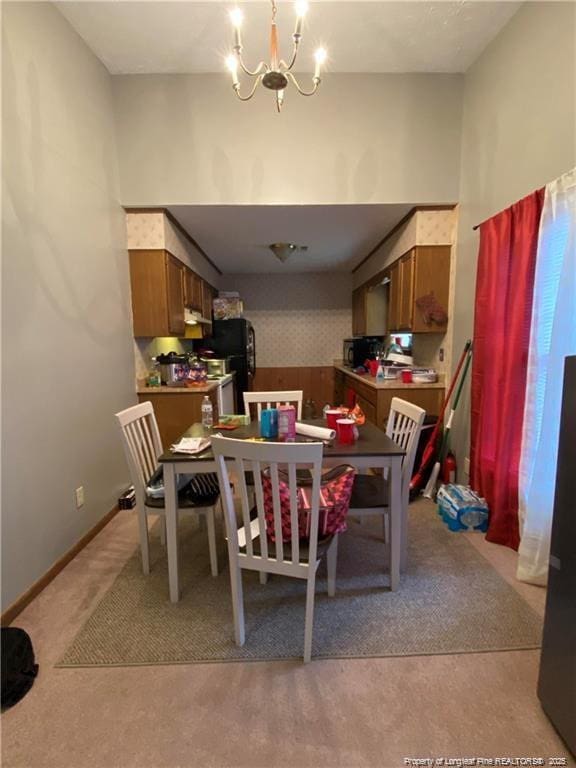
339	388
176	412
316	382
429	399
376	402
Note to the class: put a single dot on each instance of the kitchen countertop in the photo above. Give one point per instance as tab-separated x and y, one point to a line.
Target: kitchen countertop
391	383
210	386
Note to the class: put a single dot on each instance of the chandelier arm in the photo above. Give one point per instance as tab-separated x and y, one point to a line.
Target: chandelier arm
253	73
288	67
315	80
252	92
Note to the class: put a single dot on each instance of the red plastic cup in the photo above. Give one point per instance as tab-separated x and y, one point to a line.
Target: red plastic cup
332	417
406	377
373	367
345	430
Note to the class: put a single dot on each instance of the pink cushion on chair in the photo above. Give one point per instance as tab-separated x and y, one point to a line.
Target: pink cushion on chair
335	492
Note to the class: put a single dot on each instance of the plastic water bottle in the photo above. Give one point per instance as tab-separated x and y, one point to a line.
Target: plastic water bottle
207	413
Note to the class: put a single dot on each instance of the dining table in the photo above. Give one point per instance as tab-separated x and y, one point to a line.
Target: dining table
373	449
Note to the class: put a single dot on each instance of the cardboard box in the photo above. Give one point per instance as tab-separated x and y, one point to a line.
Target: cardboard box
227	309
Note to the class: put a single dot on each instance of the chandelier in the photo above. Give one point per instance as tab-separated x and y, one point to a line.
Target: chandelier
277	74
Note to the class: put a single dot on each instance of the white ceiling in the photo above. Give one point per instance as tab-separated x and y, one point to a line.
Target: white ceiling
236	237
373	36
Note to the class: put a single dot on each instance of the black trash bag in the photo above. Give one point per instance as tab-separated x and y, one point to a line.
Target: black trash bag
19	668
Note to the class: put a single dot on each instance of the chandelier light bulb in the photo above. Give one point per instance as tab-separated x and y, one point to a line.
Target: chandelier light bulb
320	57
236	17
232	65
301	7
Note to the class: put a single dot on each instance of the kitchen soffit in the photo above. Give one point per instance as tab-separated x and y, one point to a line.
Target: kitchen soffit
194	37
237	237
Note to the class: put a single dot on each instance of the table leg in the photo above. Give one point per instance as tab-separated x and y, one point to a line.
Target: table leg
395	521
170	501
404	529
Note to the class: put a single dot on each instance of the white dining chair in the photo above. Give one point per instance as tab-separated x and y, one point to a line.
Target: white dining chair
370	494
249	546
273	400
143	446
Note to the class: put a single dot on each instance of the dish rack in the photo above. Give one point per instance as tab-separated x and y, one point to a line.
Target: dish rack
424	376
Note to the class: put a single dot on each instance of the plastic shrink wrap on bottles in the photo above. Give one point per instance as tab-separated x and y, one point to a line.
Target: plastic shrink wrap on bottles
461	508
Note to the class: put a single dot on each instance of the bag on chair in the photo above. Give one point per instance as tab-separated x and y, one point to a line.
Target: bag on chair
335	492
19	668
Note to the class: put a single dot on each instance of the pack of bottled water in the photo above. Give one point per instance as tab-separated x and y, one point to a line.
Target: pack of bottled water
461	508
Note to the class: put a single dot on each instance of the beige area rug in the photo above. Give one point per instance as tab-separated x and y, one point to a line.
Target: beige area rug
450	600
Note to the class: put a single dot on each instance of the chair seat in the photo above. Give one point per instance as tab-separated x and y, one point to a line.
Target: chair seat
184	501
304	548
370	491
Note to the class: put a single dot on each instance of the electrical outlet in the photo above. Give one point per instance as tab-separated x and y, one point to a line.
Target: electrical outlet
79	492
467	466
441	354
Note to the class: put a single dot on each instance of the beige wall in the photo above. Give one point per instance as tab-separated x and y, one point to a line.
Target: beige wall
298	319
519	132
67	351
362	138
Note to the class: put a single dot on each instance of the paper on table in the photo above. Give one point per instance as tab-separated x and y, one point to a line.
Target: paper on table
191	445
320	433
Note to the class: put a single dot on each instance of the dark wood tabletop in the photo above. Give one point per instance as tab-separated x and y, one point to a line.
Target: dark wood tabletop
372	441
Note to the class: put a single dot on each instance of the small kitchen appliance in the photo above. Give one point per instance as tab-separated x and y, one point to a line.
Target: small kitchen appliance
361	348
173	367
216	367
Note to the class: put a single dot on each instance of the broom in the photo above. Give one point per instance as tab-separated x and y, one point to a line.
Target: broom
431	484
430	449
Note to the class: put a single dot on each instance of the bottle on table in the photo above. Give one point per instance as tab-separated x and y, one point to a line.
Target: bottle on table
207	413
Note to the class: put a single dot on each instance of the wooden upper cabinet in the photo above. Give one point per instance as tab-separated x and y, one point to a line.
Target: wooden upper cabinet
419	290
406	301
192	290
394	297
432	287
175	293
359	311
207	295
157	282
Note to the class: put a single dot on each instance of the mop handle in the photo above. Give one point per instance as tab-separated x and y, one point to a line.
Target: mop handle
460	386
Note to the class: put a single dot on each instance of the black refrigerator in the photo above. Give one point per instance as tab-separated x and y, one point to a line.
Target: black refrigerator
557	681
235	339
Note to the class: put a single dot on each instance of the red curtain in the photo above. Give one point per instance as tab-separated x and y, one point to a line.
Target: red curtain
503	310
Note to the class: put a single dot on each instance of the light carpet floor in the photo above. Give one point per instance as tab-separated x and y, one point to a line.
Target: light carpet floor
450	601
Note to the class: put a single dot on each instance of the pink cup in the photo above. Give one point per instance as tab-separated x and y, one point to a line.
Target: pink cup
345	429
332	417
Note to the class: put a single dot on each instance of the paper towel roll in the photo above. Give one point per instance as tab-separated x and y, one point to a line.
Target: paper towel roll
320	433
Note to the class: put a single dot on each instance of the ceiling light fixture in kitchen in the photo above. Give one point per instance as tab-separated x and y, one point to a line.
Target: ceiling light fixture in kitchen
277	74
283	250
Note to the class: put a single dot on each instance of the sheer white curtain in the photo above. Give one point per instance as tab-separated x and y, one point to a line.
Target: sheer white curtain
552	338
